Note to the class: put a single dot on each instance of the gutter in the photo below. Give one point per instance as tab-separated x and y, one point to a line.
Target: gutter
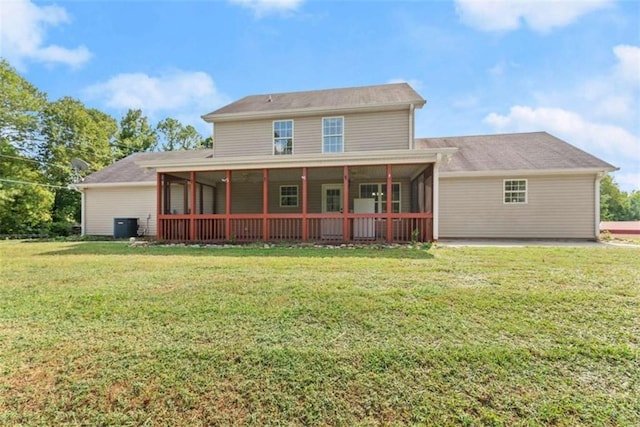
80	187
525	172
436	197
596	215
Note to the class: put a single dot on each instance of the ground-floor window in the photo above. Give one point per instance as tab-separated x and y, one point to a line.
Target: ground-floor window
515	191
288	196
378	191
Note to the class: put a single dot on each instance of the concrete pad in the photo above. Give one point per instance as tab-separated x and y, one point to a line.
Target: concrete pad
513	243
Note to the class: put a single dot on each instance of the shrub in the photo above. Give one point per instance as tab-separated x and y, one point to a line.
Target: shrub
60	229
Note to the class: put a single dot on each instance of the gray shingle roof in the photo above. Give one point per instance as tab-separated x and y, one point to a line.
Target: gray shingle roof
329	99
126	170
516	151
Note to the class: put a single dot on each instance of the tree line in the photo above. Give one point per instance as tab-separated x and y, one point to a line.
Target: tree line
39	138
618	205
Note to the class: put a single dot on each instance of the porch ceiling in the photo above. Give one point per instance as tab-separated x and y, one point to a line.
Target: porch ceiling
356	173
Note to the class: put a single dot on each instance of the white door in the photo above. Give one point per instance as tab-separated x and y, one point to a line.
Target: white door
332	228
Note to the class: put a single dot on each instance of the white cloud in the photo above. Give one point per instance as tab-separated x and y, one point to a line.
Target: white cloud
611	143
168	91
265	7
184	95
628	68
601	139
628	181
615	95
599	114
540	16
23	28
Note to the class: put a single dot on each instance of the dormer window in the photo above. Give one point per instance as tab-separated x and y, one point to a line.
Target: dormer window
332	135
282	137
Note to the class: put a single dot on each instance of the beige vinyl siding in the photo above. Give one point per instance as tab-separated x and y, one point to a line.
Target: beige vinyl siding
387	130
246	197
208	194
557	207
177	198
104	204
247	138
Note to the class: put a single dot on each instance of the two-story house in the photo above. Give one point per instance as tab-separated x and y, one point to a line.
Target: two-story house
344	165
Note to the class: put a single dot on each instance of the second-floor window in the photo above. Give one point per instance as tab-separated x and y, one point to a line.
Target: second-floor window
283	137
332	135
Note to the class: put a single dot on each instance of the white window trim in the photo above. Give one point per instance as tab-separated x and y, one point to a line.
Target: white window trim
323	134
297	196
273	137
526	191
326	187
384	204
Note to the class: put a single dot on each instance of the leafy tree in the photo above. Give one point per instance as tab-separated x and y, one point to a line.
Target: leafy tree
134	135
617	205
20	107
612	200
175	136
206	143
634	205
24	206
69	130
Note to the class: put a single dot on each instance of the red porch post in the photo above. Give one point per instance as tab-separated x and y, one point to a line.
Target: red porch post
346	236
159	205
265	204
389	205
305	226
192	206
227	195
185	197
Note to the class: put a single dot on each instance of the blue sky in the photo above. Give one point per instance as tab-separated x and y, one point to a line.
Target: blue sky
571	68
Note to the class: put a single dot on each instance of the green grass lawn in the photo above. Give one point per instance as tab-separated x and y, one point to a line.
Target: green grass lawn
106	334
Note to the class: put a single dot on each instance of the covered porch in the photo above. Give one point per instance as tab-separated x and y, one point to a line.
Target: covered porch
309	204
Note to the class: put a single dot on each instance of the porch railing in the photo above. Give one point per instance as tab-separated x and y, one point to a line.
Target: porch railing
333	228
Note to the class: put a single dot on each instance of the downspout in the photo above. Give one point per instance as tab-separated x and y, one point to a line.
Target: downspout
436	196
83	214
596	216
